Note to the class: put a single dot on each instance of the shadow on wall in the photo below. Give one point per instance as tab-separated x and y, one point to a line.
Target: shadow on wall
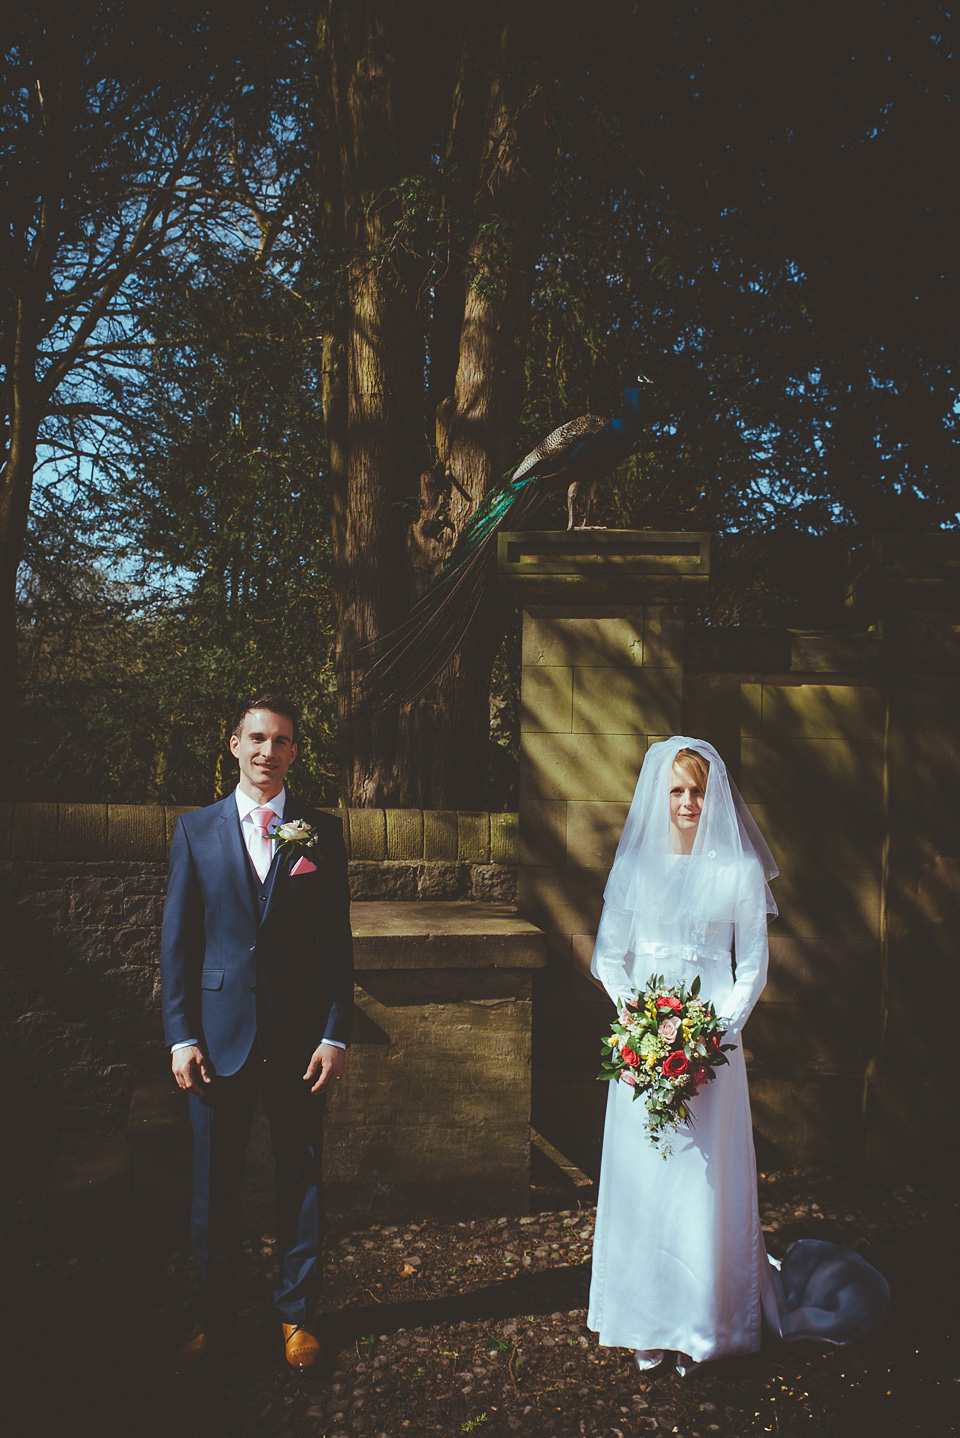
859	808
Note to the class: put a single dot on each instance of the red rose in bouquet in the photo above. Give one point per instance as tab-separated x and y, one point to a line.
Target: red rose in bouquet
676	1064
629	1056
667	1001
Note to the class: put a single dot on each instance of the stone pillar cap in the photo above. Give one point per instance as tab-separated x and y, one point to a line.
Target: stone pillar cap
640	564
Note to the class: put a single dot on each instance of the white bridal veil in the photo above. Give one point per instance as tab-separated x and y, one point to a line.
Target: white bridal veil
654	895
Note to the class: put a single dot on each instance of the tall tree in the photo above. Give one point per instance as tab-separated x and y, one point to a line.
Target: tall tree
112	114
431	184
492	218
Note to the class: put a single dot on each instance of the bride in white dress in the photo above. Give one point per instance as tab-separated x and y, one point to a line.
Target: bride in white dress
678	1261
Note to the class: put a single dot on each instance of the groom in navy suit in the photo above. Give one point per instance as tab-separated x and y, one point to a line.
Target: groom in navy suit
257	965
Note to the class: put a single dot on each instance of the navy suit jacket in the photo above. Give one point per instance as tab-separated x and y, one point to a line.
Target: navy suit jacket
243	959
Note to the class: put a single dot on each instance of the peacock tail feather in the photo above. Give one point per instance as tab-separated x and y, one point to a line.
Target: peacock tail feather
398	667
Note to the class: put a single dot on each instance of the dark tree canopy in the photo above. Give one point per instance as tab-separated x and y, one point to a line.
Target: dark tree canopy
408	242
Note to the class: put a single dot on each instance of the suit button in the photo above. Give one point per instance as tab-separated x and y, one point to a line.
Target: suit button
253	948
253	988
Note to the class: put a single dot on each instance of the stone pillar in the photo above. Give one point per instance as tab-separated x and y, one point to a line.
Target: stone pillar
603	637
910	585
811	721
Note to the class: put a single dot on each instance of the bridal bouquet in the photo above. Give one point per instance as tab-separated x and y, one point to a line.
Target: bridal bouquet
665	1045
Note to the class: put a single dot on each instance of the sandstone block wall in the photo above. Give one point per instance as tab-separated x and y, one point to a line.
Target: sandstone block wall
843	743
434	1111
81	903
597	683
79	984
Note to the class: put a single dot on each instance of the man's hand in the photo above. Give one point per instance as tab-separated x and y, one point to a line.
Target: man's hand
190	1069
328	1060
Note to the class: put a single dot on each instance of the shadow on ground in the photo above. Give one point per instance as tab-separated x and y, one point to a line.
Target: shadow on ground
443	1328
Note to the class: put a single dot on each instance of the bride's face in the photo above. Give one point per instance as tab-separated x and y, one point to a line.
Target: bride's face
686	804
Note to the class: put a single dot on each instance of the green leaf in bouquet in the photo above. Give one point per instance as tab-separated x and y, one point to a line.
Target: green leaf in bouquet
695	987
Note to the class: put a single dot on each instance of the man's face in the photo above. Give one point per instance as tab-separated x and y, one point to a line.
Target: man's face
264	751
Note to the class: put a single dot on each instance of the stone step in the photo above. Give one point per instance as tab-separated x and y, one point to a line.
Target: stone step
568	1112
444	935
158	1132
89	1196
89	1166
158	1114
553	1161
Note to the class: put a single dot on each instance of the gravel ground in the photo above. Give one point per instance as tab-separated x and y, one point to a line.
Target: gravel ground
435	1328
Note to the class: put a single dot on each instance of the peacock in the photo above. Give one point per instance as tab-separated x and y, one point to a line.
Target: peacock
576	454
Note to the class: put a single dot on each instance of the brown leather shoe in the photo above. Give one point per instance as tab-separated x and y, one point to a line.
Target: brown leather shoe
300	1347
196	1353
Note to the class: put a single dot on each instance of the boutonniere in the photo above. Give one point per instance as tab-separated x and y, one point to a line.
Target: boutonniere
295	834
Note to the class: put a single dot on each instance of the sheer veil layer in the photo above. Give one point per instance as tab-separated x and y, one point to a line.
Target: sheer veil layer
653	897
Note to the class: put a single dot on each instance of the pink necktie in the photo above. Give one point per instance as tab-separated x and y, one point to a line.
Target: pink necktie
261	846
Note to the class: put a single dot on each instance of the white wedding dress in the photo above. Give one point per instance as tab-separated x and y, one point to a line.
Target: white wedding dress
678	1257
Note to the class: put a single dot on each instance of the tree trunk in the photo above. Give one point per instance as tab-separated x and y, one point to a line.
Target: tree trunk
443	757
20	364
380	374
434	752
16	485
15	494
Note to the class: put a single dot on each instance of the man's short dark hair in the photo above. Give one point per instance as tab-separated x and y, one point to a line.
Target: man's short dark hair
275	704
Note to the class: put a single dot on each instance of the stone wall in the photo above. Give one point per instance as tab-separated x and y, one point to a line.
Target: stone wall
80	986
433	1115
81	899
843	743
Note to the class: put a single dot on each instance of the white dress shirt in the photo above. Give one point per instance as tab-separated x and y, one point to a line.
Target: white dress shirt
245	807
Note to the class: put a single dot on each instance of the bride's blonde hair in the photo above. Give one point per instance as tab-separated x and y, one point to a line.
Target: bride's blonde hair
693	766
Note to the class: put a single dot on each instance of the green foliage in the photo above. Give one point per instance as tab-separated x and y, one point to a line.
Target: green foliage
767	258
487	272
747	203
219	530
495	1344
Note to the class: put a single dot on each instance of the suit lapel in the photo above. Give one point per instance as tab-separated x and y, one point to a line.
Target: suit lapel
235	855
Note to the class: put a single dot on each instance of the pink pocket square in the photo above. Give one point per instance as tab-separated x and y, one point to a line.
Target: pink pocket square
302	866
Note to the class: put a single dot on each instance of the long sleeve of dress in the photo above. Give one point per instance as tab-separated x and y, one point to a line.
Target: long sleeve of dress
609	962
750	952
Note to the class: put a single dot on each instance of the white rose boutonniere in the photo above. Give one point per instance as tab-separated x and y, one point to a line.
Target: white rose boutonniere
295	834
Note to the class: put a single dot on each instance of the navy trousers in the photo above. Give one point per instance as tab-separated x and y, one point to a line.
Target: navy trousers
221	1120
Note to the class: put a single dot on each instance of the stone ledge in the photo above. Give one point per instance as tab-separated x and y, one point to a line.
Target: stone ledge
158	1114
444	935
145	831
644	564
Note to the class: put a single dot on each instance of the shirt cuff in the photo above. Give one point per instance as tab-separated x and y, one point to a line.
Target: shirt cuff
185	1044
334	1043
